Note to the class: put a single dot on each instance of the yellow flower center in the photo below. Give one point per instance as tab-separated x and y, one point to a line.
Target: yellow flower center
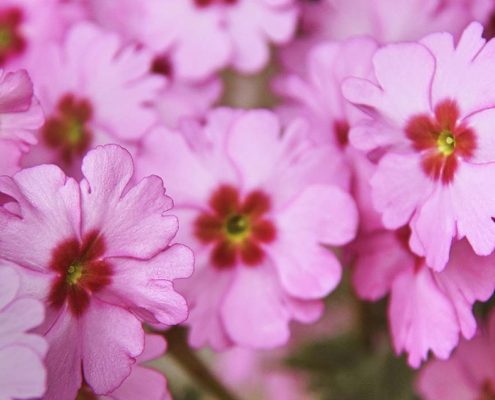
5	38
74	273
237	227
446	143
75	131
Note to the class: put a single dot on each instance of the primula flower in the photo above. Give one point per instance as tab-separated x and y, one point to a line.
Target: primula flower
431	112
98	254
237	32
387	20
179	98
20	116
384	20
427	309
26	26
467	375
315	93
257	207
94	91
142	383
260	375
23	374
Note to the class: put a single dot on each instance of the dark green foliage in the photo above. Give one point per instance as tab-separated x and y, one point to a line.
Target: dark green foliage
185	393
343	368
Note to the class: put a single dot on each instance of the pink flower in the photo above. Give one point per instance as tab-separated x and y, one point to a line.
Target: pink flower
467	375
388	20
142	383
428	310
179	98
315	93
260	375
27	25
98	254
20	115
431	111
315	90
94	91
238	32
128	18
256	206
23	375
384	20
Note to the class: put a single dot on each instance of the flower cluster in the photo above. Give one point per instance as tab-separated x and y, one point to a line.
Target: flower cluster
135	196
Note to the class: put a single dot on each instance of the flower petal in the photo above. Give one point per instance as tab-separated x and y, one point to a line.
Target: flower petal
123	214
145	383
464	71
319	215
63	360
440	380
255	136
50	209
482	125
434	227
380	259
9	286
404	73
205	293
108	358
466	279
398	187
421	317
22	373
475	209
146	287
254	310
19	317
168	154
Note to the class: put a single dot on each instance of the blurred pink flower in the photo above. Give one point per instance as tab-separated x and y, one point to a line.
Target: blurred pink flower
99	254
315	89
256	205
143	383
260	375
93	91
431	110
20	115
468	375
314	92
179	98
124	17
384	20
400	20
23	374
27	25
236	32
427	309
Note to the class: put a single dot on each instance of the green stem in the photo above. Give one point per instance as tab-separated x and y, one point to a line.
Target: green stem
188	359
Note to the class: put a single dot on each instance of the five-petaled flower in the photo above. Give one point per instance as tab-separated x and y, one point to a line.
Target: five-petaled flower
431	112
258	208
83	108
101	257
